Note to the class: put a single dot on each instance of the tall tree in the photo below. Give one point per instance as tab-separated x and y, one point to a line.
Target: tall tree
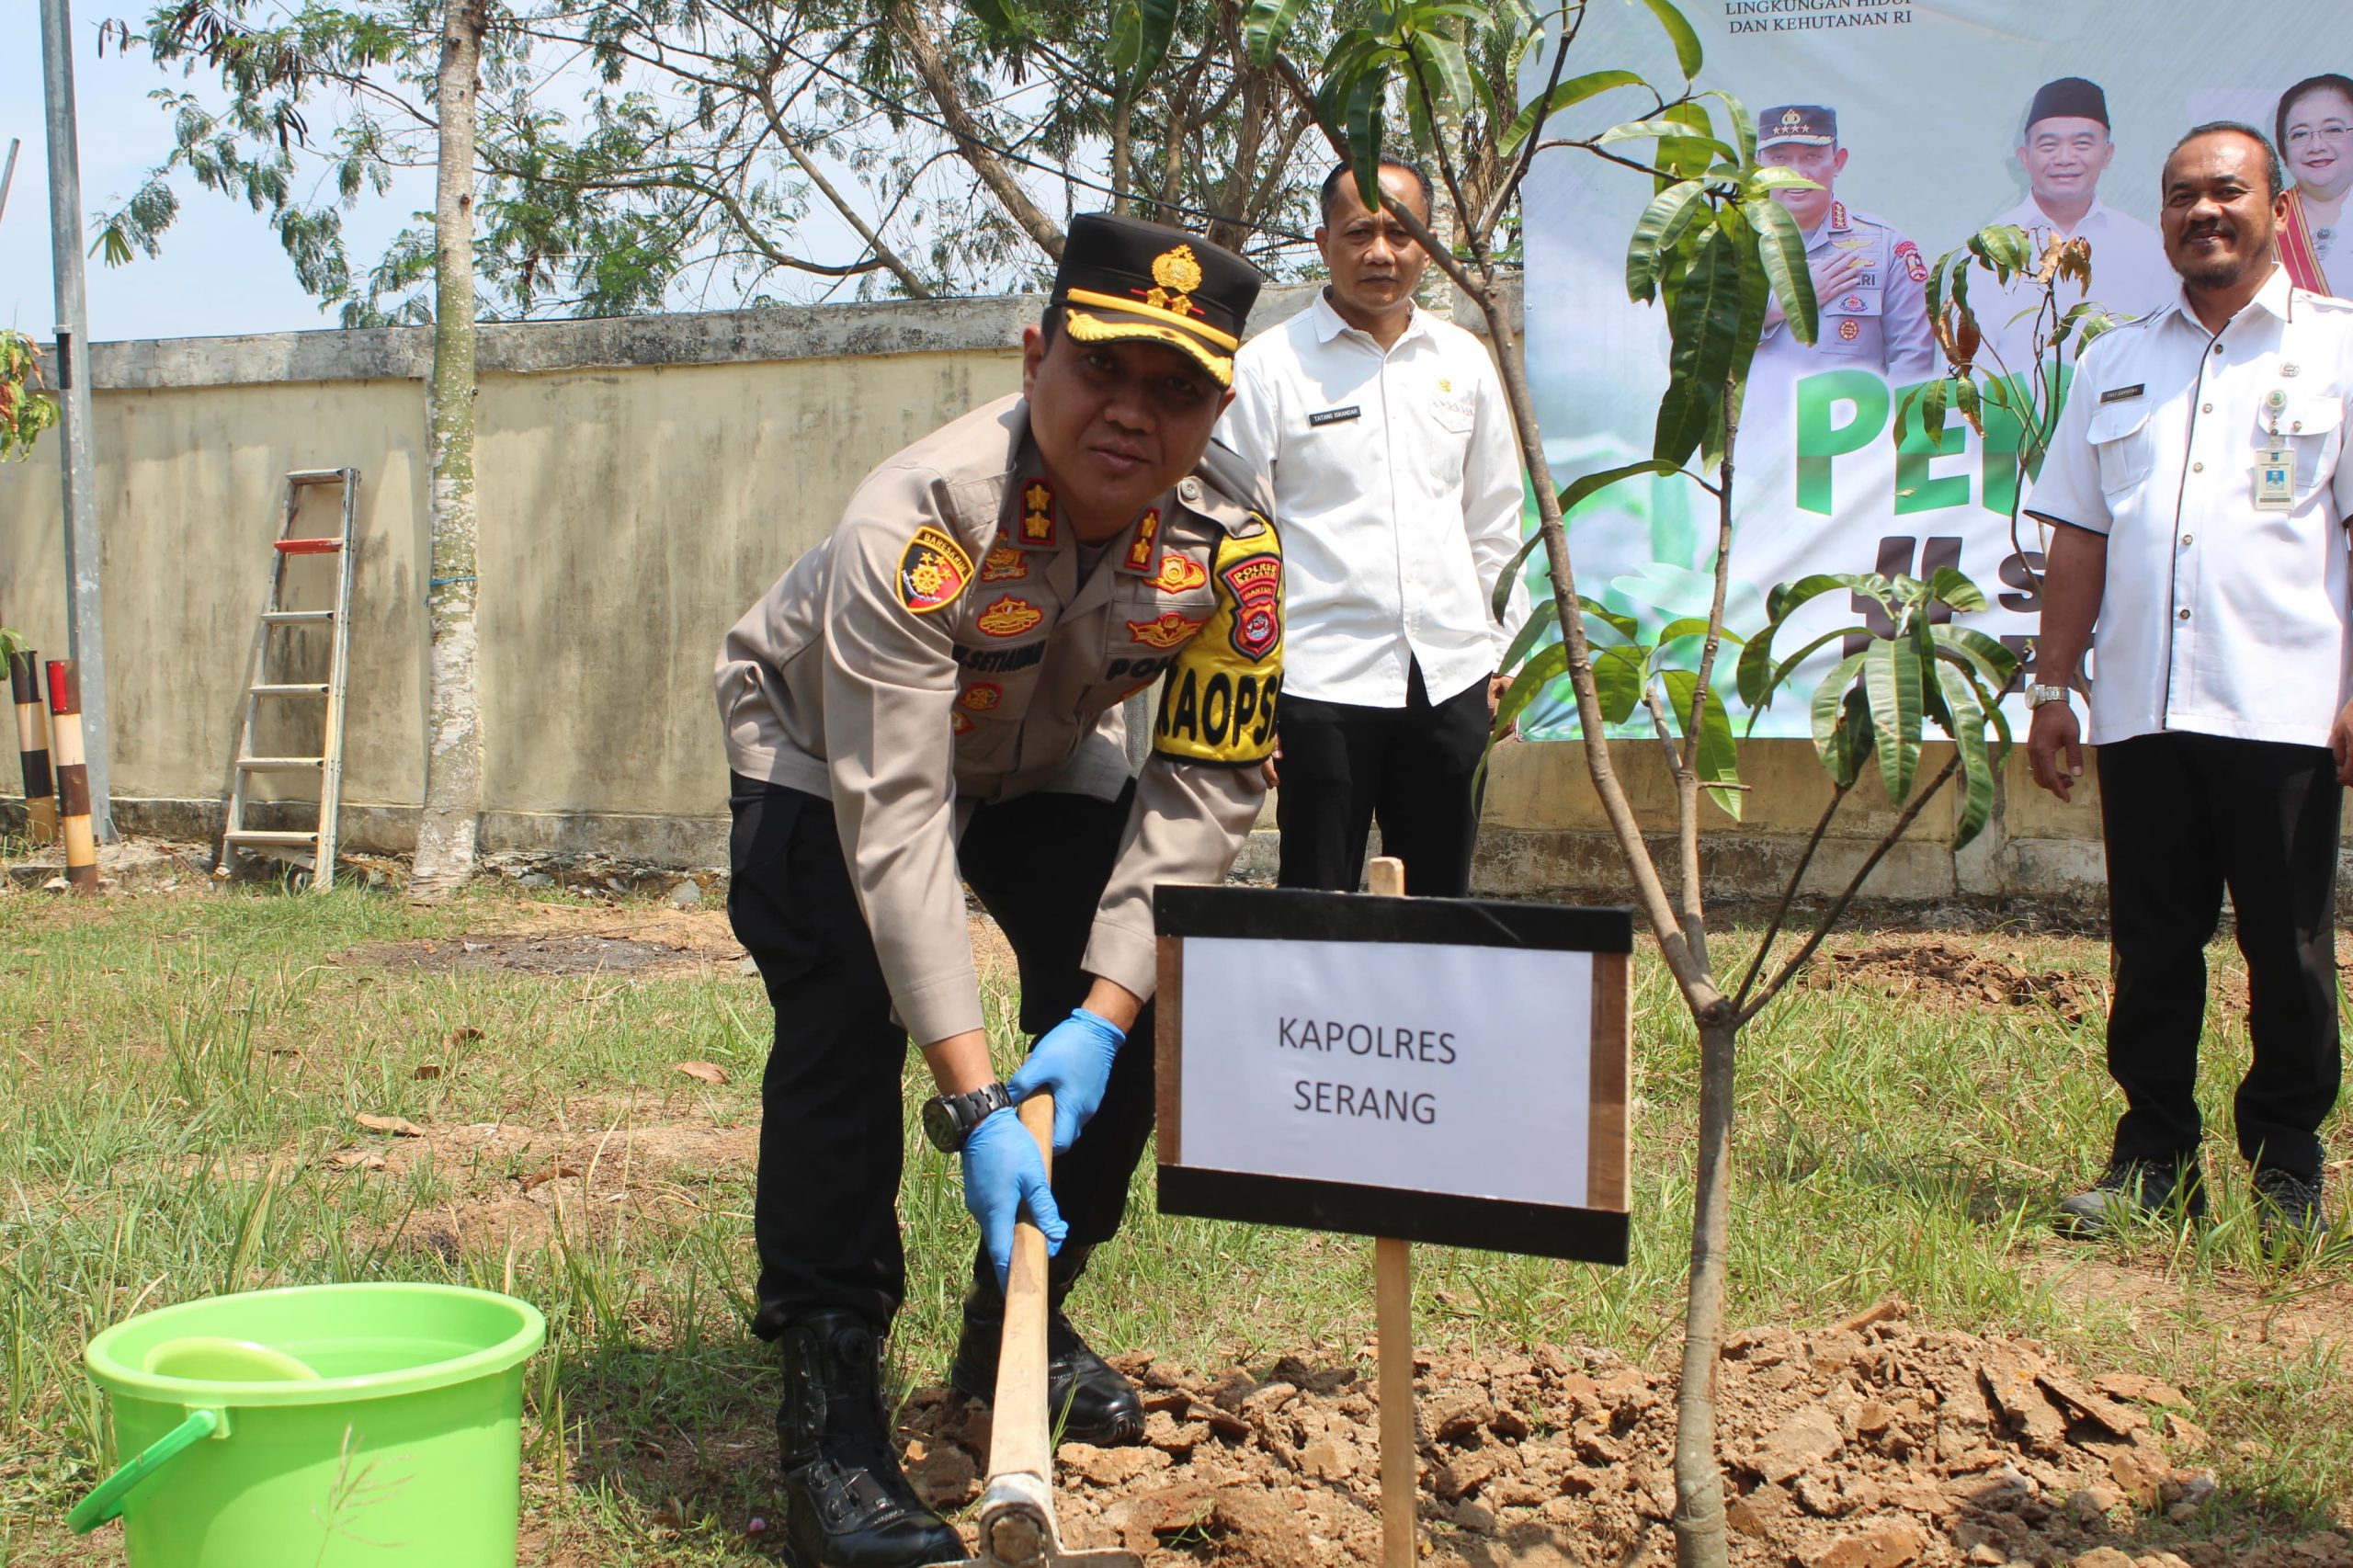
447	827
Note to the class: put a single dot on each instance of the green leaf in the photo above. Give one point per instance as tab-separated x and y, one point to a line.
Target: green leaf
1661	227
1705	321
1687	58
1625	627
1782	249
1264	26
1001	18
1364	132
1565	94
1547	665
1692	626
1949	585
1545	616
1768	678
1991	659
1827	698
1445	74
1784	599
1156	25
1854	740
1509	577
1743	124
1755	294
1968	731
1617	680
1665	130
1717	760
1891	677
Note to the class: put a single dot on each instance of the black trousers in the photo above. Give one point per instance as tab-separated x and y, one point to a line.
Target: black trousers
1410	768
2185	816
825	1215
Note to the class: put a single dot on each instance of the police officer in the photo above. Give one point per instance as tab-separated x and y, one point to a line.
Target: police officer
931	697
1868	280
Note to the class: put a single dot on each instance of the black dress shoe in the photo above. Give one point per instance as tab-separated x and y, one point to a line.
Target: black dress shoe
1087	1402
847	1504
2288	1207
2134	1192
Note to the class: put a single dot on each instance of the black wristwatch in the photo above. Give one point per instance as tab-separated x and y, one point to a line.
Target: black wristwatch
948	1119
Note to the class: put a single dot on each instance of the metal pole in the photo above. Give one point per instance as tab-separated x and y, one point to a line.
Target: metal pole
9	174
85	637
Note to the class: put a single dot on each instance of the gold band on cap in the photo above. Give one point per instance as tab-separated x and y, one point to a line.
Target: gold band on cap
1085	328
1137	307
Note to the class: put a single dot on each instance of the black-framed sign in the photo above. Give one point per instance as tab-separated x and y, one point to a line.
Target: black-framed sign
1450	1071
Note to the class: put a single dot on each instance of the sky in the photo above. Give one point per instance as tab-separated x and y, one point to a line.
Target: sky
220	271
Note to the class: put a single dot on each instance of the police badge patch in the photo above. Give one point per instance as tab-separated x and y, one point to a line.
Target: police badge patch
1256	584
933	570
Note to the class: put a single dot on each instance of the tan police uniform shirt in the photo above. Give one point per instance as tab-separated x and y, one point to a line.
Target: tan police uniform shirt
1879	322
941	649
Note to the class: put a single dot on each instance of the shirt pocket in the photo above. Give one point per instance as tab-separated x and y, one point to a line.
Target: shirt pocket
2119	433
1452	414
2311	426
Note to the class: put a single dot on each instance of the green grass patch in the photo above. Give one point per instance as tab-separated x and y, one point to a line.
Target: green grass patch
180	1076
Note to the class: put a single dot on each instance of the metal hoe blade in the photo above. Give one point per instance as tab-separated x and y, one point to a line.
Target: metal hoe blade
1018	1526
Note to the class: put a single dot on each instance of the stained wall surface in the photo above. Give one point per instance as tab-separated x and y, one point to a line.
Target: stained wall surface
640	481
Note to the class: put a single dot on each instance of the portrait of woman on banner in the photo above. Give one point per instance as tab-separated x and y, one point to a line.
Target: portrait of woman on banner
2315	132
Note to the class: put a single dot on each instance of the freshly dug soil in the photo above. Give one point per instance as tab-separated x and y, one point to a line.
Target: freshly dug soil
1871	1446
1932	969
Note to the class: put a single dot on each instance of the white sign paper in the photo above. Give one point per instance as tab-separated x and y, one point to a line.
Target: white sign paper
1461	1070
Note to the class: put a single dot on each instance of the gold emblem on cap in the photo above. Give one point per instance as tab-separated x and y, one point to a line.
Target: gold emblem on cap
1791	117
1176	274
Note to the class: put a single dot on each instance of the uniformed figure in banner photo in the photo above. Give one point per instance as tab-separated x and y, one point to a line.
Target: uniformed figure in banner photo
931	698
1867	278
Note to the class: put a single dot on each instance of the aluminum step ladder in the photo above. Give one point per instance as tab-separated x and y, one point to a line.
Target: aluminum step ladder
269	681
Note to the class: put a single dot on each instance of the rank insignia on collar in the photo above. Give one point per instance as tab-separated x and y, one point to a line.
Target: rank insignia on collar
1168	631
1037	514
1177	575
1139	544
1838	219
1256	585
1004	564
1010	617
982	696
933	570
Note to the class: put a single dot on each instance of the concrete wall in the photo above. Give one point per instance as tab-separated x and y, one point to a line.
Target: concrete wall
641	481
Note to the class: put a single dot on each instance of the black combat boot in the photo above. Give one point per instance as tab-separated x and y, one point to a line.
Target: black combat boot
848	1504
2135	1192
1085	1400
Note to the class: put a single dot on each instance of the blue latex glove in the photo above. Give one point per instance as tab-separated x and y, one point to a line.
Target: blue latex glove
1003	1171
1073	1060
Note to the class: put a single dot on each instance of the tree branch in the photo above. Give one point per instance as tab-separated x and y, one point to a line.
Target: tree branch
1788	895
923	52
1879	851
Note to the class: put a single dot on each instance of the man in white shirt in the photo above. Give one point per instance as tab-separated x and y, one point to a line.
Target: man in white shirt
1397	479
2196	492
2064	151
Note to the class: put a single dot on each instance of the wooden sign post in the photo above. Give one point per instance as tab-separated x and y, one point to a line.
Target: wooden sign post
1449	1071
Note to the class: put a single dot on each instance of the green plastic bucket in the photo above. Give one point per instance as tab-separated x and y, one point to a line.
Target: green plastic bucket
324	1426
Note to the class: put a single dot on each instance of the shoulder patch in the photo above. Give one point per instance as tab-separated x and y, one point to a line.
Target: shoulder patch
1219	701
1909	254
933	570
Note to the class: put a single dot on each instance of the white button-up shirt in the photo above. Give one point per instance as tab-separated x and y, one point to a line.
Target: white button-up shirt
2131	276
1397	491
2218	615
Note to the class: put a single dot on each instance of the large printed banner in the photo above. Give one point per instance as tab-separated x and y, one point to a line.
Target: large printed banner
1924	122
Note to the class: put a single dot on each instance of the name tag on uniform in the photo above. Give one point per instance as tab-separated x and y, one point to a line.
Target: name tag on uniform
2118	394
2275	479
1335	415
